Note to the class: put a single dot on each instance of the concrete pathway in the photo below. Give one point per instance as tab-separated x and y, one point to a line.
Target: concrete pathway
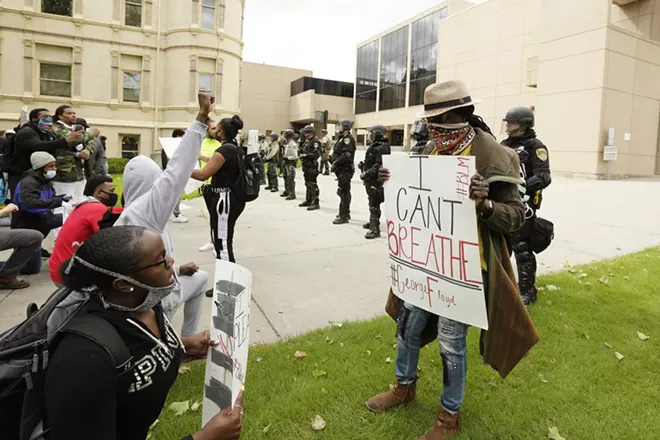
308	272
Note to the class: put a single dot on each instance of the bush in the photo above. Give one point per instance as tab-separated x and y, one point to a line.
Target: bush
116	165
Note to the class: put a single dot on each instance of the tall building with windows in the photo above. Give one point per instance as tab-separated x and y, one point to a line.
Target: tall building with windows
588	68
132	68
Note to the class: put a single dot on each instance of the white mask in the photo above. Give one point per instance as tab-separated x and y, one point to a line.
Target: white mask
50	174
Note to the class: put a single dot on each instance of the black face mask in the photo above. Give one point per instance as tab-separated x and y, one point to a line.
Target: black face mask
112	199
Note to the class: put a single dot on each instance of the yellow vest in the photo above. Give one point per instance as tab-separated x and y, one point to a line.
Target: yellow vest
208	149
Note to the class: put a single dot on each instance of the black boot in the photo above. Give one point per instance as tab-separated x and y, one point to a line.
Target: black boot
284	194
314	206
367	226
274	190
373	233
339	220
529	297
268	188
291	197
305	204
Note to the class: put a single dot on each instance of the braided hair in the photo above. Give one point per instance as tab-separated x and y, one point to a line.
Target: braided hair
474	120
116	249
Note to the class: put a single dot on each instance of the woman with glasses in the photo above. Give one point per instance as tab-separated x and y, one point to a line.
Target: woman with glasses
126	272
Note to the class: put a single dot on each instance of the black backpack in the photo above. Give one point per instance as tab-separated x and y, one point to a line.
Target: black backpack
250	175
26	348
542	234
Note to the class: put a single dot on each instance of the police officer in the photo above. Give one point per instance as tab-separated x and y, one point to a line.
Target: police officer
290	159
373	161
420	134
343	165
535	169
280	162
271	158
263	151
310	151
325	153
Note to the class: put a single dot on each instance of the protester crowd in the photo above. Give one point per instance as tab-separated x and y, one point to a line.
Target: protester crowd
119	263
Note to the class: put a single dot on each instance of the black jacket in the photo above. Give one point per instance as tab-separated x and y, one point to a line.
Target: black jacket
373	161
37	200
343	155
29	140
312	151
534	164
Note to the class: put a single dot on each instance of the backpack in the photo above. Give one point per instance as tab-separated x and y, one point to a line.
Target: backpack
250	175
26	348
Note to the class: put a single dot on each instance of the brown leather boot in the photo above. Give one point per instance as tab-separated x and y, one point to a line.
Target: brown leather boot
398	395
444	427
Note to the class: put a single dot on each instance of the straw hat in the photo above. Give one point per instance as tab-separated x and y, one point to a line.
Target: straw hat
440	98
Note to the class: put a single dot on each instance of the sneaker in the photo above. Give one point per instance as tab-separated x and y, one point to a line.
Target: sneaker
13	283
180	219
207	247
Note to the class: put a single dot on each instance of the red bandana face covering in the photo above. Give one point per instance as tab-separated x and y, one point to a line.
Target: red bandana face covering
452	141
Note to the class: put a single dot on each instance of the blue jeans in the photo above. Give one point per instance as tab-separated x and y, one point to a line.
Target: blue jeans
452	336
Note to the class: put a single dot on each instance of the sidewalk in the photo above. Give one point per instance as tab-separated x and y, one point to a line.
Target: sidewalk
307	271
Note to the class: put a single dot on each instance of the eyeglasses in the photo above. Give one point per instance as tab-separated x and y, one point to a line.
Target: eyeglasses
164	262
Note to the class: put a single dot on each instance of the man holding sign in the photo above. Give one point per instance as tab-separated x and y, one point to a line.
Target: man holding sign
448	262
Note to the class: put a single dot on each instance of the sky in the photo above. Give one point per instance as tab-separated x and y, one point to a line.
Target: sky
319	35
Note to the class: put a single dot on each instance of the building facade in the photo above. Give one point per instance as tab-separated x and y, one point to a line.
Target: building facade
274	97
586	67
131	68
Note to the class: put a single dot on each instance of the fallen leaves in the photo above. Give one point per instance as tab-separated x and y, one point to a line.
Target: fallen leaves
368	352
260	359
608	345
180	408
184	369
318	424
553	434
300	354
388	360
195	406
543	379
551	288
604	280
337	324
319	373
642	336
618	355
265	430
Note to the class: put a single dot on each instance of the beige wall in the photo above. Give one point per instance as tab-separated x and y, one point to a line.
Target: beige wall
265	95
99	48
303	107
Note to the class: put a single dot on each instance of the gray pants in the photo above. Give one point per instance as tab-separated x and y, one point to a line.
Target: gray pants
25	243
177	209
192	298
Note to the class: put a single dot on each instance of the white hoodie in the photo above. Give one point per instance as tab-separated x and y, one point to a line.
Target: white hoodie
150	194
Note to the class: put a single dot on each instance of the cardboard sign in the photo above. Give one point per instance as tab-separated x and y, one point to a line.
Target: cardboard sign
226	364
169	145
253	142
432	236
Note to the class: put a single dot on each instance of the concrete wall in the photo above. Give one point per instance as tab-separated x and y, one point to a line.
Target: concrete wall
497	57
265	94
169	51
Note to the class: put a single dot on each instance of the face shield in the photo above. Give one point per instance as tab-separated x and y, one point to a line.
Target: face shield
510	128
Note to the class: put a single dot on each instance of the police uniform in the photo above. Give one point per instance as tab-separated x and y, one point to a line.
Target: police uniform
325	156
343	164
290	159
535	169
271	158
373	161
419	147
310	153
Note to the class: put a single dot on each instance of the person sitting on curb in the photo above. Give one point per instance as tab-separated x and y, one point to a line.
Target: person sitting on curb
87	218
25	243
36	199
150	196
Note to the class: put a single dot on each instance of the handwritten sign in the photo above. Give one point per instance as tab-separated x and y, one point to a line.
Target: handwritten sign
226	365
432	236
169	145
253	142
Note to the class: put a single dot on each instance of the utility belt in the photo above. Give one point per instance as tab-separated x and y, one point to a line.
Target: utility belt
290	161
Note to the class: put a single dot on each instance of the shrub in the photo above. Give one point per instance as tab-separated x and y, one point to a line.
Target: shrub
116	165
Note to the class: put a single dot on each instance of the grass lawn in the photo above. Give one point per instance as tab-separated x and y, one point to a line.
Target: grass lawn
571	380
118	180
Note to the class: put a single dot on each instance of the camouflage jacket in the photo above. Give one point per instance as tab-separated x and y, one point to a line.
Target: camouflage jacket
69	167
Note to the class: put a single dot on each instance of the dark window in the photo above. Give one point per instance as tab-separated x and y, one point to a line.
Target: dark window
393	70
58	7
366	81
54	80
133	15
424	54
130	146
322	87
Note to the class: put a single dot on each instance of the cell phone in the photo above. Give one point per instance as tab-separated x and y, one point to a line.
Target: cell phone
78	128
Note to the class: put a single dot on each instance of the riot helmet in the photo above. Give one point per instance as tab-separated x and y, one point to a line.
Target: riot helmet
517	121
288	134
419	130
377	133
343	126
308	132
274	137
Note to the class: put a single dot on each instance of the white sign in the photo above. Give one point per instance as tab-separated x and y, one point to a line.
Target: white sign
626	137
226	364
610	137
432	236
253	142
169	145
610	153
